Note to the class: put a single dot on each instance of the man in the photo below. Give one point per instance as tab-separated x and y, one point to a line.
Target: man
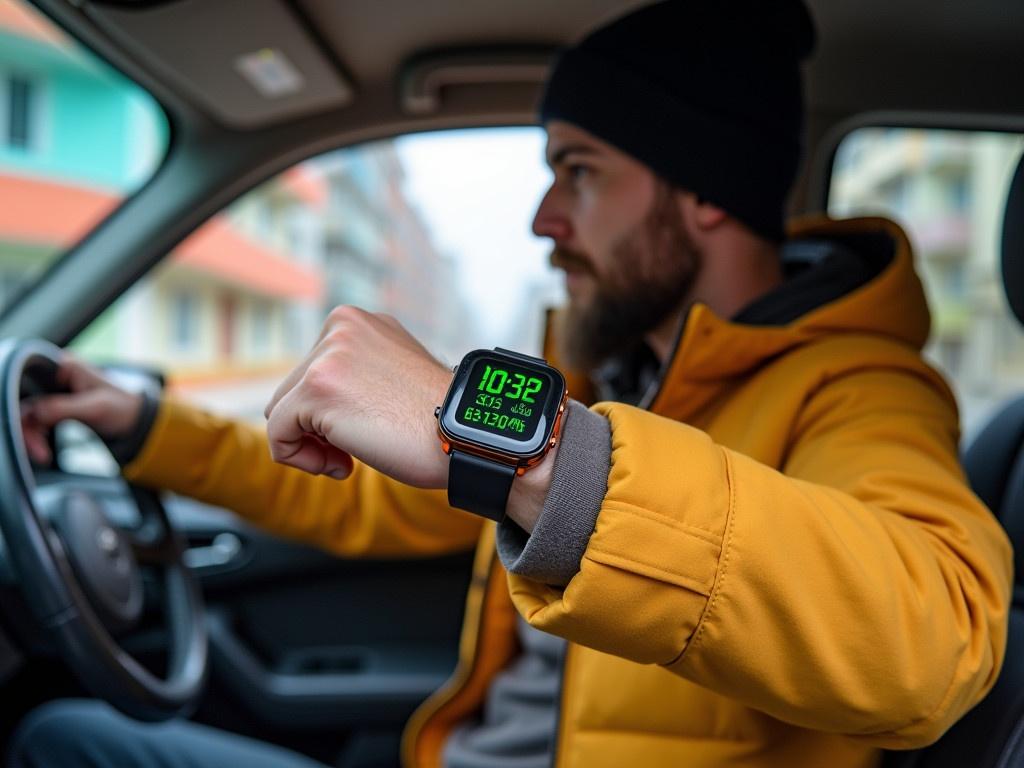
758	545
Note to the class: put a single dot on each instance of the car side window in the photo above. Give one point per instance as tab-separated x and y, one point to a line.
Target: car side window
431	228
76	139
947	188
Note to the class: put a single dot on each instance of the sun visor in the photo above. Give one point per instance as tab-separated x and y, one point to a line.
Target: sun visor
247	63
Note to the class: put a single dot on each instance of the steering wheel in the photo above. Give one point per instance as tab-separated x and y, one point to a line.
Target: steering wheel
81	575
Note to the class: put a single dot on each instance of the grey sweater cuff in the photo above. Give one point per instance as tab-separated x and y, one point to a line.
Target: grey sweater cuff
552	554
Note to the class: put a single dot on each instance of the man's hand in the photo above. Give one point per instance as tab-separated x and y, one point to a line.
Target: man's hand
107	409
367	390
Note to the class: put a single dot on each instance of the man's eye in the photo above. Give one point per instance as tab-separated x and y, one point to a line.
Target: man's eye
577	172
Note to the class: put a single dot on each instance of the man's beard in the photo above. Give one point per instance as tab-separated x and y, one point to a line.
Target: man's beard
650	274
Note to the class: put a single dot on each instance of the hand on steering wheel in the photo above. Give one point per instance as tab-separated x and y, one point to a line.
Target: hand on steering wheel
88	397
78	573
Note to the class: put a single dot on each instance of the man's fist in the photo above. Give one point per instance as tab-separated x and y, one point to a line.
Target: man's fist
367	390
107	409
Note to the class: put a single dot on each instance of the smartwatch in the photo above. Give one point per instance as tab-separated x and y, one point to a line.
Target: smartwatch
500	417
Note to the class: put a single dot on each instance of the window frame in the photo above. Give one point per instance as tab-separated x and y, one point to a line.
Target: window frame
822	160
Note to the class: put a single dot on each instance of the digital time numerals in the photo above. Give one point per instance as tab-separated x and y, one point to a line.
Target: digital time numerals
494	381
502	400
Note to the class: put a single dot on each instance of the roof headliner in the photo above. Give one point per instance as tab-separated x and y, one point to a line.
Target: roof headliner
928	55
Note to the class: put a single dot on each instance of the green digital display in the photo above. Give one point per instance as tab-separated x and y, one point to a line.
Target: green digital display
504	399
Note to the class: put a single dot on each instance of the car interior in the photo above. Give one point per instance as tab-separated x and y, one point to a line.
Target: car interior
235	628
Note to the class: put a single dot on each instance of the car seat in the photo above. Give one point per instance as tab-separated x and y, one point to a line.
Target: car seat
992	734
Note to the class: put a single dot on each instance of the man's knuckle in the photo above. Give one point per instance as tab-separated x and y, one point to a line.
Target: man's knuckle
338	337
345	314
318	378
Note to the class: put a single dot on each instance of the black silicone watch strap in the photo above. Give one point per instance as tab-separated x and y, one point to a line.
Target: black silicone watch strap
525	358
479	485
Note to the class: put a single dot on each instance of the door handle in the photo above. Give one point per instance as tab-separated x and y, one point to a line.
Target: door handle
224	548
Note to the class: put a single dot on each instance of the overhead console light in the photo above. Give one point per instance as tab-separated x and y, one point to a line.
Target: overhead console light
270	72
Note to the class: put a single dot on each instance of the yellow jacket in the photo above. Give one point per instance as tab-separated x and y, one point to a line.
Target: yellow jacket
787	569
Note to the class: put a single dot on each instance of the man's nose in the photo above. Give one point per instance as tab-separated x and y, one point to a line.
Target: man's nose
550	220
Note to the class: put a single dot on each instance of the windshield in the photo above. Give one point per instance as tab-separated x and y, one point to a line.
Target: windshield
432	228
76	138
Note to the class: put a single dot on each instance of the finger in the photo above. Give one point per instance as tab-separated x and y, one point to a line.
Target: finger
292	379
48	410
75	375
337	463
317	457
35	435
287	385
291	437
389	320
305	453
69	371
37	445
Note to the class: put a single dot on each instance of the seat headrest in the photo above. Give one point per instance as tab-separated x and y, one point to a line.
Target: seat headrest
1013	243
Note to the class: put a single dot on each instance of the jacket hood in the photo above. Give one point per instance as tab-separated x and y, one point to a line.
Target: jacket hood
891	304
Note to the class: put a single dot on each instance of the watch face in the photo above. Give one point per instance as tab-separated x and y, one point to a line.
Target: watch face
503	403
504	399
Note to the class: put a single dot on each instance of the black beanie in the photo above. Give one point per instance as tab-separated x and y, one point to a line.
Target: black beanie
706	94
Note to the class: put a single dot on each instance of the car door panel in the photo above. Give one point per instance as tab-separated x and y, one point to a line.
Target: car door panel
302	639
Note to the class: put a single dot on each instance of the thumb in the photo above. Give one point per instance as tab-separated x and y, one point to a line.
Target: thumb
337	463
314	455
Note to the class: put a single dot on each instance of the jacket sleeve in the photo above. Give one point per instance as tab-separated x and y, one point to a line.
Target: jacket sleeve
862	590
227	463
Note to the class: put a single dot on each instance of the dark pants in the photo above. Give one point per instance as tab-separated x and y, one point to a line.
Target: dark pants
90	734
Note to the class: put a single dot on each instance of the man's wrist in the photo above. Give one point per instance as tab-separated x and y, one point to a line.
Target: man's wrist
127	445
444	381
553	548
529	490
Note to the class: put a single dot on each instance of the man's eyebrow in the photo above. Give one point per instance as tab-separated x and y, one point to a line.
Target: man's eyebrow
560	154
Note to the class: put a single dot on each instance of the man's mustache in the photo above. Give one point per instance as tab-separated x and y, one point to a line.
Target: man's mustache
570	261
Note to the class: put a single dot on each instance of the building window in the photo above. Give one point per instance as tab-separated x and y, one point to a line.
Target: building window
21	123
261	317
960	194
295	341
952	209
184	320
